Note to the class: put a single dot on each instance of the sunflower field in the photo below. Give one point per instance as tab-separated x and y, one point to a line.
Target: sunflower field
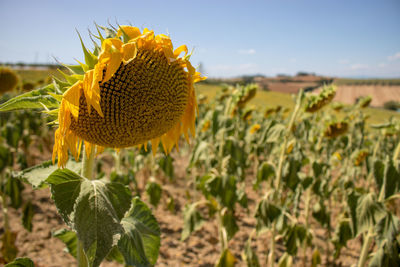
98	154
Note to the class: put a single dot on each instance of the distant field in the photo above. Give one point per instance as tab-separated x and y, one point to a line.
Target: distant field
35	75
342	81
267	99
380	93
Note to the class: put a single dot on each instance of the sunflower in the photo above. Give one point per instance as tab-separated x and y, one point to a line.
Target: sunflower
134	88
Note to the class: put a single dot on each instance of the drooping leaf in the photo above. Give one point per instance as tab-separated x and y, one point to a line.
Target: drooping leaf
321	214
316	258
229	223
13	189
166	164
226	260
70	239
249	256
8	248
266	214
6	158
294	238
369	211
21	262
291	173
192	220
140	241
265	171
285	260
27	216
154	192
343	233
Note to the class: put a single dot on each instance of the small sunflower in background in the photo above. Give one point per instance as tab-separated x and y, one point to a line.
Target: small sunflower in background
133	88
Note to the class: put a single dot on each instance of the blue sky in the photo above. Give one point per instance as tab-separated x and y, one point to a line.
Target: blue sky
340	38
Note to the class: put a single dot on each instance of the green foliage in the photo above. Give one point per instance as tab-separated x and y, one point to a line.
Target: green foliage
192	220
21	262
154	192
94	209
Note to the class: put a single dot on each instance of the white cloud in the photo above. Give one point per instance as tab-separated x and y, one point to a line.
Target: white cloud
359	66
250	51
394	57
381	65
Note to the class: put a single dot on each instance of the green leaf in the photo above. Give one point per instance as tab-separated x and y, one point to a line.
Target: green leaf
21	262
92	208
140	241
35	99
316	258
192	220
223	189
368	212
115	255
286	260
37	175
8	248
226	260
69	238
65	189
27	216
13	189
249	256
379	170
229	223
265	171
275	133
166	164
266	214
392	181
294	238
321	214
154	191
291	173
343	233
6	158
387	228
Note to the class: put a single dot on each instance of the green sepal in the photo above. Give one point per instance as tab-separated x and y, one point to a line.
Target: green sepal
90	59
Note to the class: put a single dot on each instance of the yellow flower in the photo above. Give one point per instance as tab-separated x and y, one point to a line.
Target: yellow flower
255	128
137	89
206	126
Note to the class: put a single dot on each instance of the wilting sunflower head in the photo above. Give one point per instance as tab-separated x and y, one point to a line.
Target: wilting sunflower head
134	88
359	156
335	129
316	102
364	101
8	80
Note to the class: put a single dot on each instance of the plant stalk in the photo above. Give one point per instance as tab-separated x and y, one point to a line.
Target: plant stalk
271	256
87	172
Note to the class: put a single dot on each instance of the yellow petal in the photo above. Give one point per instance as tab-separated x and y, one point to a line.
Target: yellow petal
129	52
132	32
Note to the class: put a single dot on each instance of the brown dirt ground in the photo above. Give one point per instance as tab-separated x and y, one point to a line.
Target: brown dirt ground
380	94
200	249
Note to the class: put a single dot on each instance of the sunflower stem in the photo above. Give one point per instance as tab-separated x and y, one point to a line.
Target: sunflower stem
282	157
87	172
88	163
